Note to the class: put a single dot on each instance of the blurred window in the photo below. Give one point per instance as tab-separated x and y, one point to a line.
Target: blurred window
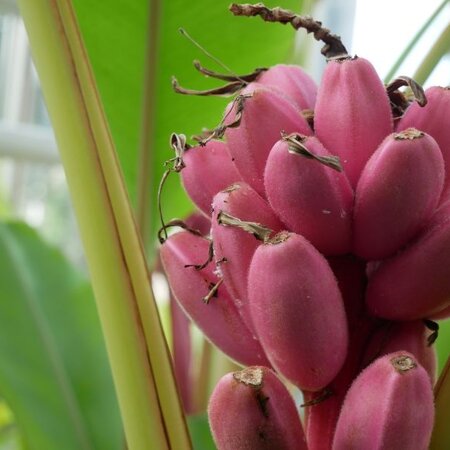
32	181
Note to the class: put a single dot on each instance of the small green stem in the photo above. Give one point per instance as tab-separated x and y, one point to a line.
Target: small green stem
431	60
413	42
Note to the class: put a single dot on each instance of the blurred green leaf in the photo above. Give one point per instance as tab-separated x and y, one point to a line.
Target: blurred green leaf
10	439
439	50
54	372
420	32
115	36
443	343
201	436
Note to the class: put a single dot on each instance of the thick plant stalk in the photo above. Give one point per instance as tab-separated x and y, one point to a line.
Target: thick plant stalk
140	362
441	432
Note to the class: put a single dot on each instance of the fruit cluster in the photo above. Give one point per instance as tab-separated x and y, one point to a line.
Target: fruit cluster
327	259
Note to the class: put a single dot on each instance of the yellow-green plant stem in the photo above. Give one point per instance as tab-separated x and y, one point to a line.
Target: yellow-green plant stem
201	388
440	48
212	366
414	41
441	432
137	350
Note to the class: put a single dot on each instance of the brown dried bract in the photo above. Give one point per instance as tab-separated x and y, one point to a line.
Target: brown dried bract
251	376
296	145
219	131
260	232
399	101
403	363
226	90
409	134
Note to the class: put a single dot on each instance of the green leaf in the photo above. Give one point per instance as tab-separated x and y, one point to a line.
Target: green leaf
443	344
200	433
407	50
54	372
439	49
115	36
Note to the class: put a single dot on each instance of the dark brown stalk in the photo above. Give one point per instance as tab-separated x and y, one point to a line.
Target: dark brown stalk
333	48
226	90
176	223
213	292
179	144
219	131
208	259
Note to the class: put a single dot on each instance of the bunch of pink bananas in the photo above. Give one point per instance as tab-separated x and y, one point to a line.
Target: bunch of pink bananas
328	257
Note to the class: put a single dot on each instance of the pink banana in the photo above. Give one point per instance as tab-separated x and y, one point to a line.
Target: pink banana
234	247
219	319
297	311
430	120
397	193
388	407
312	198
415	284
411	337
208	169
265	114
252	409
199	222
352	114
322	410
182	355
292	81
